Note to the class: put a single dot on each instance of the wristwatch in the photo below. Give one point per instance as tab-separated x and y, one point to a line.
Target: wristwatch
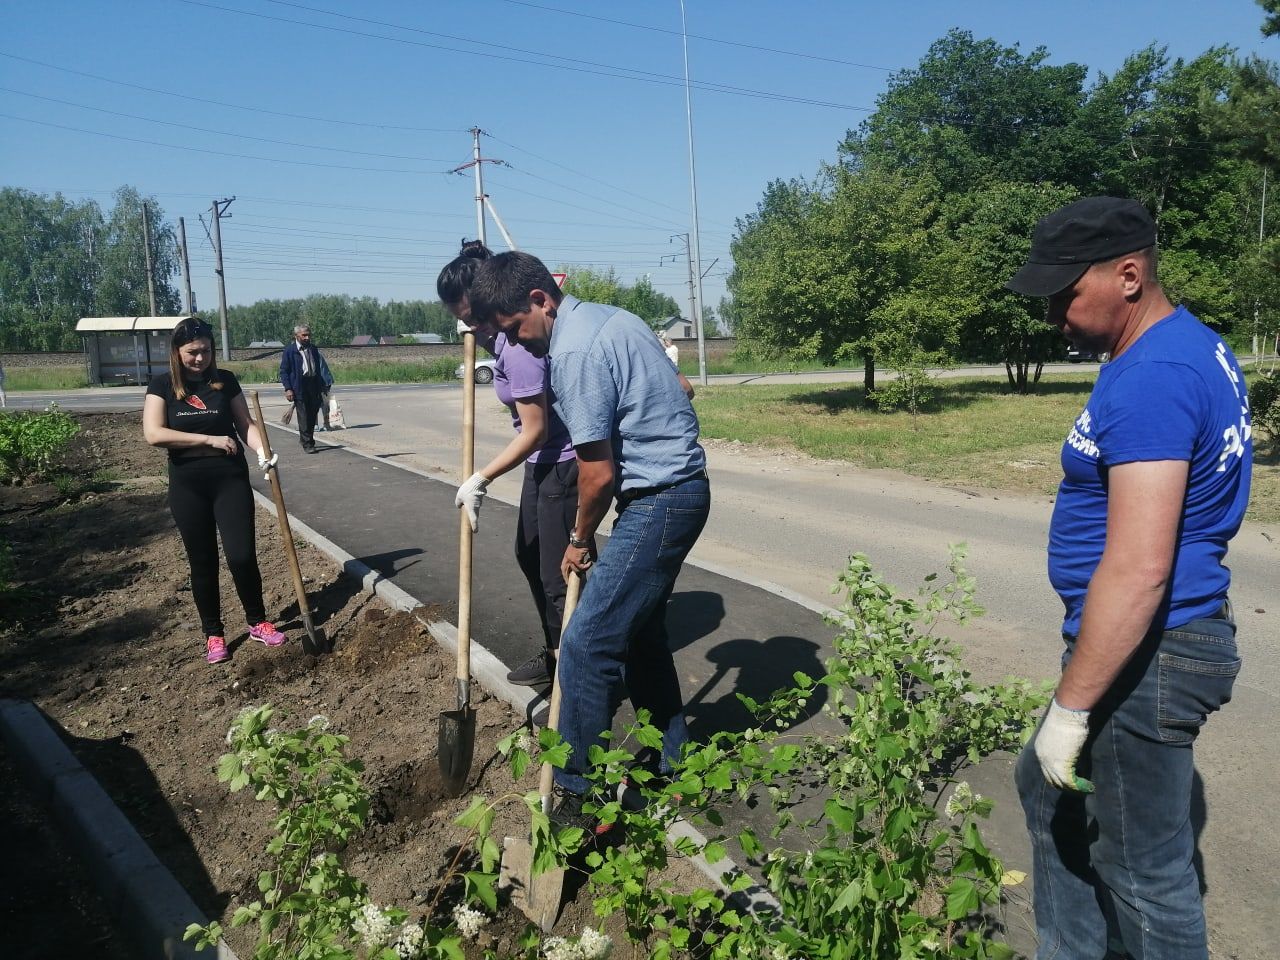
578	544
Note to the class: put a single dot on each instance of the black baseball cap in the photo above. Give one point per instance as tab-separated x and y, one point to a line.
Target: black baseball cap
1070	240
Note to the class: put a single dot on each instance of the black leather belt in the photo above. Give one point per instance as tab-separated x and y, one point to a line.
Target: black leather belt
1224	612
626	496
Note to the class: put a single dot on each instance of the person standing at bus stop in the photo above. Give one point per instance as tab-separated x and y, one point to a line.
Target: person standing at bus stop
303	381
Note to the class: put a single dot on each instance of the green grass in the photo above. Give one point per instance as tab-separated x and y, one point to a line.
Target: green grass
45	378
731	364
976	434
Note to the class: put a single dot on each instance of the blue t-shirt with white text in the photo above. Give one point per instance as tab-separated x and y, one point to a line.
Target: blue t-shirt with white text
1176	394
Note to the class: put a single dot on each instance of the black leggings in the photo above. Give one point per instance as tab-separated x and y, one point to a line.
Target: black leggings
208	496
548	511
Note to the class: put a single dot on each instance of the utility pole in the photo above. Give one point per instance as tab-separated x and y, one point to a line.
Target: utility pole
693	295
693	192
146	248
482	198
186	268
220	211
1262	226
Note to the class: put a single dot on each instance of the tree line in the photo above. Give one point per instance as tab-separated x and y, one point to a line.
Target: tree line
896	251
61	260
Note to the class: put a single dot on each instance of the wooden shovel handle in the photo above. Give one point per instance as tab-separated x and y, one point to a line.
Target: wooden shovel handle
286	532
465	535
553	712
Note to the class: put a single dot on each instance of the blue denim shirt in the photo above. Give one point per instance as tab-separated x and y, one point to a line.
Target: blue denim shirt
613	381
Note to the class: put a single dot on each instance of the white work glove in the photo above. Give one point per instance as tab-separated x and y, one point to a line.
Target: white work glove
464	327
1058	746
266	465
470	495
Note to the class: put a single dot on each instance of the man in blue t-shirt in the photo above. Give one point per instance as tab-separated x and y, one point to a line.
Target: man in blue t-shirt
636	439
1155	483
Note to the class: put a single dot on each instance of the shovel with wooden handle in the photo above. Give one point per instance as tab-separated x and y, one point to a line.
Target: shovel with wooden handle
314	641
457	739
539	895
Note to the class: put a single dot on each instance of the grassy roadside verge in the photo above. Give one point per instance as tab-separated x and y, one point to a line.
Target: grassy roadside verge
437	370
976	435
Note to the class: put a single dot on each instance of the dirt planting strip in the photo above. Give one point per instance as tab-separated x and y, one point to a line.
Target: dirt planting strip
139	892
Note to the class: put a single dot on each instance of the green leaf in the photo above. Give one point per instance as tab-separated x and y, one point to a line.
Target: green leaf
841	816
962	898
713	852
850	895
483	888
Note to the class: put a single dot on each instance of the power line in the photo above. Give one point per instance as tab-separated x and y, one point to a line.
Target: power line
222	133
541	58
218	153
704	37
233	106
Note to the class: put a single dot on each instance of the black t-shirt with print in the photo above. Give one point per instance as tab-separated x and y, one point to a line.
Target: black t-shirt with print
204	410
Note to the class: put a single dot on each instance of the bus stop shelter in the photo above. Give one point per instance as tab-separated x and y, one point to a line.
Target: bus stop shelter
126	350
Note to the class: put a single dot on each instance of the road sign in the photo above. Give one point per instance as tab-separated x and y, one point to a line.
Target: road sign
560	279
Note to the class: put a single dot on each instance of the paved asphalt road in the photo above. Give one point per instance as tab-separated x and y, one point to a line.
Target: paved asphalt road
793	521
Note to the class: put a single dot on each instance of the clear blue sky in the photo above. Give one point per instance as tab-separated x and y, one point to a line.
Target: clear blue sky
340	163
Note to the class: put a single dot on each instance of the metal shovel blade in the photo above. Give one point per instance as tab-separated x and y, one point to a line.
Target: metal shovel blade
314	640
456	745
538	898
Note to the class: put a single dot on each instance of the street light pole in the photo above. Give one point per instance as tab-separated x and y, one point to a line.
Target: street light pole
693	193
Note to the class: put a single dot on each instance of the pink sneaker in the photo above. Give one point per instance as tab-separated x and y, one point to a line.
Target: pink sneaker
266	632
216	650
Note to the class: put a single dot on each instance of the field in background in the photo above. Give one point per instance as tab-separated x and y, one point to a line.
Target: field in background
976	434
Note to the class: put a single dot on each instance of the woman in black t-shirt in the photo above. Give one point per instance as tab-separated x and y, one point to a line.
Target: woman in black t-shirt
195	412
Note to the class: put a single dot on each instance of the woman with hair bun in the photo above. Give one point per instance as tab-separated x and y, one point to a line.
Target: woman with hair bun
549	495
198	413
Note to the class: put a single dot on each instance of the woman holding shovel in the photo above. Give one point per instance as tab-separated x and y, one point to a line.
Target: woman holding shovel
549	496
195	411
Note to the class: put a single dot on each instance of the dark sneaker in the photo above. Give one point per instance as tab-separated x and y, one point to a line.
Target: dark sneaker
568	812
534	672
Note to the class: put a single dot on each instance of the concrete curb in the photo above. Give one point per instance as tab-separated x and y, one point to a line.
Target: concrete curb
492	675
140	893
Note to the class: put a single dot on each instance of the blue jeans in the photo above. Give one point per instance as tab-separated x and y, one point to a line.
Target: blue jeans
1124	853
616	642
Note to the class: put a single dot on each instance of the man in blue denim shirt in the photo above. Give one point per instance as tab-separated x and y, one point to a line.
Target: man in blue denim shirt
636	438
1156	482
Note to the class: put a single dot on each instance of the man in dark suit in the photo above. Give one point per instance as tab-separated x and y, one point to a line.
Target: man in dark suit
304	386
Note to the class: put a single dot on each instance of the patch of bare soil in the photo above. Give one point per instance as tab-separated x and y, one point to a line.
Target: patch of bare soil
103	636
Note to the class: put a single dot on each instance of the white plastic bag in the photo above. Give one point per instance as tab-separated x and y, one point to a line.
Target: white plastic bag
336	421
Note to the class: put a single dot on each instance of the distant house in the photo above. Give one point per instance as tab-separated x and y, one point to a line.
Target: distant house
678	328
364	340
389	341
266	343
423	337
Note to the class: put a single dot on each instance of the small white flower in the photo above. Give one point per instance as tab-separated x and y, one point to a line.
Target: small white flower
960	799
522	741
318	722
470	922
930	944
373	926
558	948
594	945
409	944
779	953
